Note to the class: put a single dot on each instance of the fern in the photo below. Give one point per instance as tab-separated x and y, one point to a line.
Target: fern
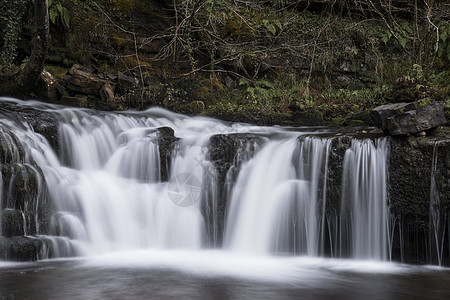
58	12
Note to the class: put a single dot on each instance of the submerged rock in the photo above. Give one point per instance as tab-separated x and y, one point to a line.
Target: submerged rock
409	118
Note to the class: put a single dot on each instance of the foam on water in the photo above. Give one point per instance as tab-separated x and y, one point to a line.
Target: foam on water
306	270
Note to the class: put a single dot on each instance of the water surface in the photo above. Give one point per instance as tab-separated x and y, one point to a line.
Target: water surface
218	275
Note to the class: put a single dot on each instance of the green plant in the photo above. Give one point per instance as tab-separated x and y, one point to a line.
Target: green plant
260	91
56	11
12	16
444	41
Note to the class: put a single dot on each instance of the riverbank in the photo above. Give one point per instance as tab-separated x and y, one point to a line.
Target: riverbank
292	63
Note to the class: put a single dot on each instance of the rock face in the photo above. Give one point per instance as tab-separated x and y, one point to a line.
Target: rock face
84	87
166	144
21	248
409	118
226	152
411	176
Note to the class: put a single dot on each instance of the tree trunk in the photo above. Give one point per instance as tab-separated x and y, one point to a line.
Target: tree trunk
30	74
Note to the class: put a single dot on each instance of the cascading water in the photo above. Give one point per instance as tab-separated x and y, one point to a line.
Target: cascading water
274	205
437	217
364	232
112	197
109	189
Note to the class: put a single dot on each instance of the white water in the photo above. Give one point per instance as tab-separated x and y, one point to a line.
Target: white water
274	206
112	197
437	216
108	194
364	213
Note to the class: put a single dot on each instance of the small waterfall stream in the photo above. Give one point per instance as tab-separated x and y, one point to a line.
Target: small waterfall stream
438	216
113	184
275	204
365	210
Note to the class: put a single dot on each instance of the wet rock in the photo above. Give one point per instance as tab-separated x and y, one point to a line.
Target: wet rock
126	83
20	248
82	80
226	152
76	101
409	118
410	173
61	90
12	223
339	146
420	133
308	118
47	86
107	93
25	203
42	122
222	149
166	143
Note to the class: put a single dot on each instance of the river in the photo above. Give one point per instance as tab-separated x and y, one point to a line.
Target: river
217	275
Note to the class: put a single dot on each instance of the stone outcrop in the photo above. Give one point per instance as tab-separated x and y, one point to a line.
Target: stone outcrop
107	93
82	80
83	87
21	248
47	86
166	142
411	172
226	152
409	118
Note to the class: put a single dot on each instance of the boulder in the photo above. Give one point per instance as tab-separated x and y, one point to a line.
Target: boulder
127	83
107	93
83	81
409	118
47	86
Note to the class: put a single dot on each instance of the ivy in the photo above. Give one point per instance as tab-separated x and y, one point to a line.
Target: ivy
14	11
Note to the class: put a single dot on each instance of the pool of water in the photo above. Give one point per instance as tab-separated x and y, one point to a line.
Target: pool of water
218	275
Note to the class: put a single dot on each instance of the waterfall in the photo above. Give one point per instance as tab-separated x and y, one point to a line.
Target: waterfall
114	182
437	217
364	212
275	202
112	197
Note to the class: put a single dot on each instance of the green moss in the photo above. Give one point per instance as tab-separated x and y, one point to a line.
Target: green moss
392	126
424	102
356	123
192	108
57	71
340	120
447	115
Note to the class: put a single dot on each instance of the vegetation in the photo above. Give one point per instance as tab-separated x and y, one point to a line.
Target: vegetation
22	81
259	61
